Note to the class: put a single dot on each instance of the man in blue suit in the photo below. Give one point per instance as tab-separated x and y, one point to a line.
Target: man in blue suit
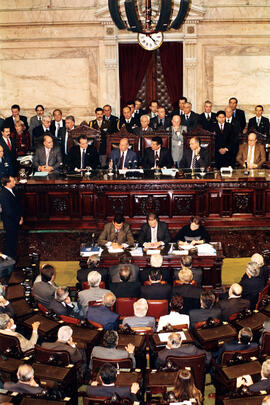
102	313
123	157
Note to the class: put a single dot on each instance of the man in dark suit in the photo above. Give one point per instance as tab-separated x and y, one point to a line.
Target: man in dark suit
123	157
235	303
26	383
207	118
264	383
103	315
190	118
61	304
103	126
161	122
126	120
230	119
154	232
82	155
156	262
57	122
10	121
65	140
9	147
11	215
138	110
35	121
156	155
41	130
175	348
195	157
207	310
180	110
259	123
144	128
238	114
252	283
107	111
65	343
156	290
125	259
224	141
125	287
44	290
47	157
190	293
105	385
6	167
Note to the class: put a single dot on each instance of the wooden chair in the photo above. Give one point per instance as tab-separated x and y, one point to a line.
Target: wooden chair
157	308
118	363
43	309
113	141
94	303
59	358
246	355
147	140
96	325
92	400
197	365
86	286
179	282
10	347
124	307
148	282
70	320
265	345
234	316
199	325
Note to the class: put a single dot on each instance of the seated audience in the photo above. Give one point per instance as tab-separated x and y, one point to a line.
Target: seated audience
65	343
259	123
125	258
244	342
94	293
264	269
6	167
252	284
194	233
190	293
123	157
185	388
266	400
116	233
251	154
92	264
154	233
190	118
208	117
41	130
5	306
15	116
264	383
26	383
140	319
22	139
44	290
177	135
62	305
156	263
186	263
47	157
234	304
109	350
105	385
82	155
8	327
207	310
161	121
35	121
157	155
144	128
102	313
175	348
156	290
175	316
195	157
125	287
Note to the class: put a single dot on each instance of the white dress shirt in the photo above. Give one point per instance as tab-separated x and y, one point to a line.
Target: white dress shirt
154	234
174	318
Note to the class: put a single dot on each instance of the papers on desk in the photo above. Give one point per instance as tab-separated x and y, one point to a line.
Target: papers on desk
137	252
180	252
124	171
206	250
187	246
87	251
41	174
153	252
115	250
169	172
163	337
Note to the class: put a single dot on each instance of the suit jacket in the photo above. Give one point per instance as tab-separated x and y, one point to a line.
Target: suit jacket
9	123
38	134
8	309
60	309
104	316
44	293
11	208
165	271
239	115
34	122
112	123
183	351
156	291
157	125
123	289
130	126
187	158
138	131
191	296
136	321
131	156
231	306
111	353
104	130
53	128
200	315
1	123
109	391
24	343
259	154
114	273
224	140
92	294
251	289
192	122
61	140
9	154
109	235
234	346
165	158
75	354
263	128
22	388
55	157
162	233
205	123
262	385
74	157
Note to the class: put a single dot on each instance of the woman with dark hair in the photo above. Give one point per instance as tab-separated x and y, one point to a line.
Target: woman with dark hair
184	387
22	138
193	233
175	316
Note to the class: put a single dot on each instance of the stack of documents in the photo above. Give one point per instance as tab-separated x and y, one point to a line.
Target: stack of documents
137	252
87	251
206	250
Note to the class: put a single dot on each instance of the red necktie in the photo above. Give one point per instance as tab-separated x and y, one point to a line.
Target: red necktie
8	144
122	161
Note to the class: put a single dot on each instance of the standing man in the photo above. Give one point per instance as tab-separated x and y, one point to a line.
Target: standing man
11	215
177	139
65	140
208	117
35	121
41	130
126	120
238	114
103	126
153	106
224	141
8	145
15	116
190	119
161	121
180	109
57	122
112	119
259	123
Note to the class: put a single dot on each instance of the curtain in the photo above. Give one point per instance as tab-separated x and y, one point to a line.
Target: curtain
171	56
133	64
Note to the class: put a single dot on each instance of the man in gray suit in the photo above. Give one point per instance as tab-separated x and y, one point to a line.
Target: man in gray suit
94	293
140	319
35	121
44	290
109	349
47	157
177	139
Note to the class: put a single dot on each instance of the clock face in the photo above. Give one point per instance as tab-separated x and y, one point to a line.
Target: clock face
150	42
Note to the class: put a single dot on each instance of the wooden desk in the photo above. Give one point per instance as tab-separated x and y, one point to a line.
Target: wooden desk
157	345
47	326
158	382
85	335
255	321
256	400
126	379
33	401
136	340
210	338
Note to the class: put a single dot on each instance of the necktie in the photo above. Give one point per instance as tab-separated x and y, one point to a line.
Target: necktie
47	157
66	143
8	144
221	127
208	117
57	129
47	130
122	161
83	159
258	122
39	118
249	155
186	117
156	159
193	163
228	120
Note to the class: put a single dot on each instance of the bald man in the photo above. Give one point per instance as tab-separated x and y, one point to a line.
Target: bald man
235	303
123	157
253	153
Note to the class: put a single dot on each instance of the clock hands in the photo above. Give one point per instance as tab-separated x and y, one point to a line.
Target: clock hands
153	39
